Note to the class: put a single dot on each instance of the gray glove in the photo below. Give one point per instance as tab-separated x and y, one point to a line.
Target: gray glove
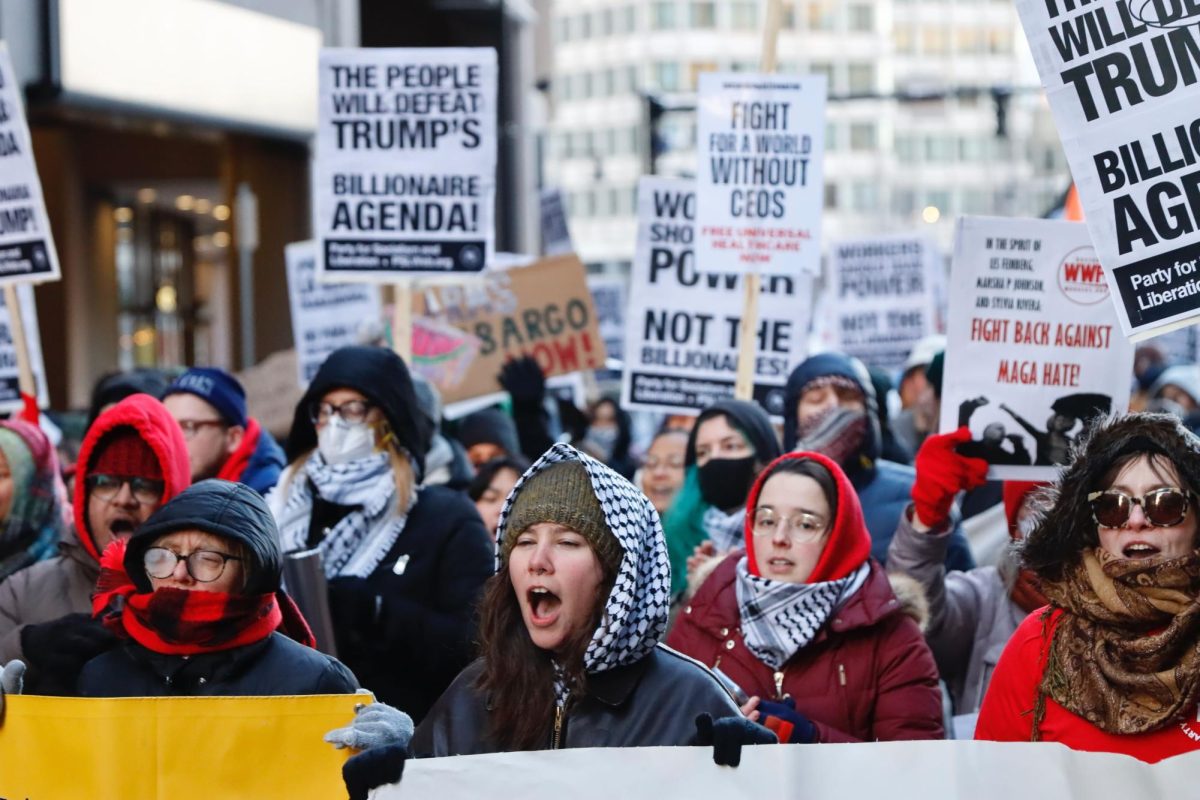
12	679
374	725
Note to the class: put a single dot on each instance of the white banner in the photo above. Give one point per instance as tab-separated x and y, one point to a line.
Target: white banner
1121	77
10	384
760	142
405	174
26	244
325	316
681	338
942	770
1034	345
883	293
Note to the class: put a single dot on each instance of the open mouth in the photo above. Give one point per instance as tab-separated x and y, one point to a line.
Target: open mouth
1140	550
780	564
121	527
544	605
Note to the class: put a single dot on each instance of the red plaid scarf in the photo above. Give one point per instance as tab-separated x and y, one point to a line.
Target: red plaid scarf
181	622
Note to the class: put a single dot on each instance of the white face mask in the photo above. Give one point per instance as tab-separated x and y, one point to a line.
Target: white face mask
341	441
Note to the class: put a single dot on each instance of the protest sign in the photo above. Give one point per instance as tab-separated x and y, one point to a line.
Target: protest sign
186	748
609	296
325	316
1122	81
681	337
1034	345
26	245
883	297
463	333
759	190
556	233
10	383
405	173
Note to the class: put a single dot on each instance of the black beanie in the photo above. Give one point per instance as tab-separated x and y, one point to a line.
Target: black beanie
749	418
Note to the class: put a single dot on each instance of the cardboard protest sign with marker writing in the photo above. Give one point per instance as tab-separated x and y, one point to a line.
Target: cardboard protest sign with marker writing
325	316
463	333
405	174
759	188
681	339
883	299
26	246
1123	80
1035	349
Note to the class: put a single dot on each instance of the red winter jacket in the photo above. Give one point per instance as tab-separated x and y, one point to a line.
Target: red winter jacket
1007	711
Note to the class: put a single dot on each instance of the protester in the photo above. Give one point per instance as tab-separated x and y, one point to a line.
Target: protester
731	442
1176	391
806	623
570	631
609	436
223	440
488	434
446	462
405	565
132	460
919	405
972	614
116	386
195	597
33	508
830	407
491	486
662	470
891	447
1113	664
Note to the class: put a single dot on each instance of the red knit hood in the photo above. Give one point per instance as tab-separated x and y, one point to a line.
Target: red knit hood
1014	493
157	428
848	545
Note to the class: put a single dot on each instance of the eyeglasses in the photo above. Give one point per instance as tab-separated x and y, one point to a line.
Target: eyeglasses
106	488
1162	507
191	427
204	566
351	411
803	528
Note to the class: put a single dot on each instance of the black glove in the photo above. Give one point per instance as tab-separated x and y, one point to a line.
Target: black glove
727	735
57	650
373	768
522	378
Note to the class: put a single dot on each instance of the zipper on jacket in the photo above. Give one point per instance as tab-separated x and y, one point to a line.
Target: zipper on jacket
778	685
558	721
842	674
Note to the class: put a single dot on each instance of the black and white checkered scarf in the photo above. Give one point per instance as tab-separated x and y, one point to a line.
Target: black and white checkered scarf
778	618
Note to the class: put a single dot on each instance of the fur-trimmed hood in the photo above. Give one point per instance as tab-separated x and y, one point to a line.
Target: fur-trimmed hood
1067	528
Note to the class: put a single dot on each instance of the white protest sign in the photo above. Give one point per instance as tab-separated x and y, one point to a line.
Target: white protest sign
325	316
1123	80
27	251
405	173
1034	344
556	233
681	339
10	388
610	298
932	770
761	139
883	297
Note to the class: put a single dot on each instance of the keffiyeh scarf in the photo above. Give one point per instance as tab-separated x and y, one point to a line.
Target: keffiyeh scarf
726	531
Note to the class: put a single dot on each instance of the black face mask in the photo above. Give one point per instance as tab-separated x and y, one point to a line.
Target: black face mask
725	482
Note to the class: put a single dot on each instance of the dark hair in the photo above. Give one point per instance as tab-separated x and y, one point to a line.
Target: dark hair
809	469
518	676
487	471
1067	528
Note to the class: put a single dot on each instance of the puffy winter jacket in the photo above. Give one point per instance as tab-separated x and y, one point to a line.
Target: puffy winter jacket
258	462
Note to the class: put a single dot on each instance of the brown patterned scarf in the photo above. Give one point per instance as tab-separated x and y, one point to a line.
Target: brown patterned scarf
1126	655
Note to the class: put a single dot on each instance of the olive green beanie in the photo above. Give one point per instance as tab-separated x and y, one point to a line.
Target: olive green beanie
563	493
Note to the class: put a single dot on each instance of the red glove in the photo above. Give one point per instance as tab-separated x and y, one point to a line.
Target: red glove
942	473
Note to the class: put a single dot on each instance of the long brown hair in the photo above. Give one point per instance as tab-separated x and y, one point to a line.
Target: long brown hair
518	676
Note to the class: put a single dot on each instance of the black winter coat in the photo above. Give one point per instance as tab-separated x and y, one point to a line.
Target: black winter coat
653	702
273	666
409	628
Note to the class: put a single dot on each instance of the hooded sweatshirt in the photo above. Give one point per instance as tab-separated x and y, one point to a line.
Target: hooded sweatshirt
884	488
63	585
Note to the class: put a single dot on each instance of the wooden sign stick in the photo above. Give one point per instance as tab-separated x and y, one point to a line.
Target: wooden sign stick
402	331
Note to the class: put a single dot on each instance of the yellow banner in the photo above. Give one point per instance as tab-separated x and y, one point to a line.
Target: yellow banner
182	748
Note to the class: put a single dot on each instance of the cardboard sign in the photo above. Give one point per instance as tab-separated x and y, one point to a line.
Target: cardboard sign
10	389
883	297
405	173
464	333
681	339
186	748
761	139
1034	345
325	316
556	233
26	245
1121	78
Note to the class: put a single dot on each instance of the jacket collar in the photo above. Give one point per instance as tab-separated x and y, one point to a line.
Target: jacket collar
613	687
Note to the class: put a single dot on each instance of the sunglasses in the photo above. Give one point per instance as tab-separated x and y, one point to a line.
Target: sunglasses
1162	507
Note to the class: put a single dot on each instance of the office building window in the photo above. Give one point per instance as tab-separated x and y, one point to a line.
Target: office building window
744	15
662	15
861	18
666	76
861	78
862	136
